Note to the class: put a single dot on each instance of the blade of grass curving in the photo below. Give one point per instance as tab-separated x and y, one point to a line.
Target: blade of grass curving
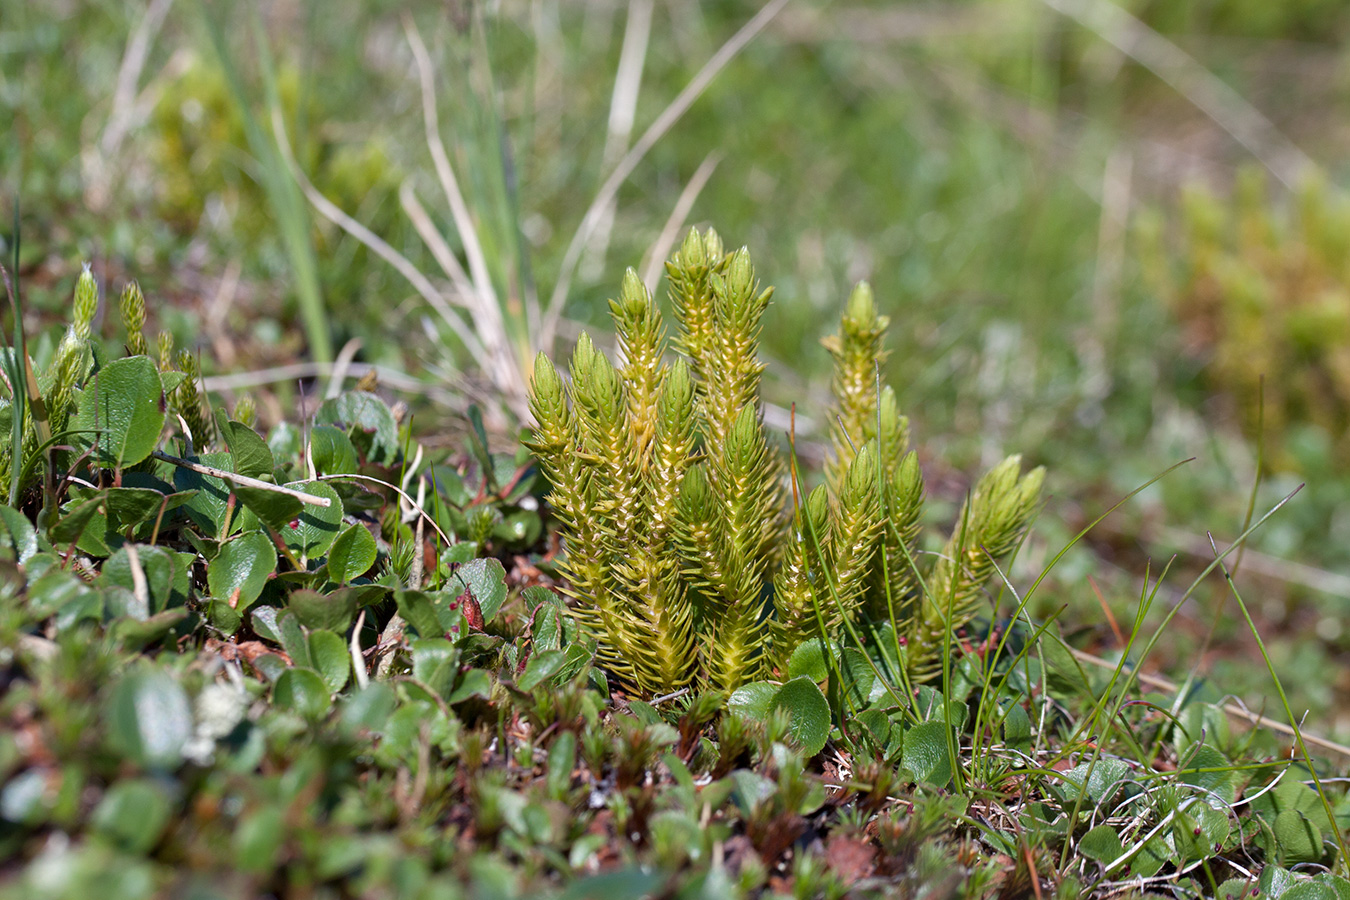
1019	608
283	197
1195	584
845	618
484	303
1343	861
520	305
26	398
18	392
948	638
992	658
1130	677
663	123
378	246
1093	722
1233	710
659	251
1073	541
622	111
835	672
888	517
1180	694
436	243
1260	463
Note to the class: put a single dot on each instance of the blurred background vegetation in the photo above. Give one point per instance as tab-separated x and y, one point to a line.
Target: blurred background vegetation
1104	231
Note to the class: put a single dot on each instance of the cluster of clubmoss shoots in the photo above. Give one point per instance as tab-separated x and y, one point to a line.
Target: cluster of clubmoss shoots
870	540
672	501
49	413
669	493
1262	291
186	399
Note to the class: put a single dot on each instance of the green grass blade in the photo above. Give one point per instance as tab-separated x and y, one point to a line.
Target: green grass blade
283	194
1342	862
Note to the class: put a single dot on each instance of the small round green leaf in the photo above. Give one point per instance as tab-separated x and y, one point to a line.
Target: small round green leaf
1149	860
859	678
329	654
1235	889
156	573
17	535
1300	840
925	753
808	658
333	610
1017	727
435	664
128	507
302	691
546	626
486	579
149	719
259	839
1275	881
1213	829
474	683
314	530
132	814
370	424
1310	889
368	708
223	616
332	451
252	456
1102	844
352	554
240	569
810	712
543	665
207	507
523	527
753	701
1220	782
123	408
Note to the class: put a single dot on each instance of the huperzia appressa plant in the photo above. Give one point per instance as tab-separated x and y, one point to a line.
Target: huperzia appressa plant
1261	290
680	554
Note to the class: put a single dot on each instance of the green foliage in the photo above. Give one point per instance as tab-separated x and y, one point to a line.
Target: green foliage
671	497
207	677
1263	292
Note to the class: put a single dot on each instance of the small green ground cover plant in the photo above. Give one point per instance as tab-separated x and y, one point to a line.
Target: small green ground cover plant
1264	296
295	664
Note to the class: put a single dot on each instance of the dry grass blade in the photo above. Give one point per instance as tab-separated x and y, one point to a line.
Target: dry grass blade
436	243
667	119
123	115
502	366
1184	74
377	245
670	232
485	300
390	377
245	480
622	112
